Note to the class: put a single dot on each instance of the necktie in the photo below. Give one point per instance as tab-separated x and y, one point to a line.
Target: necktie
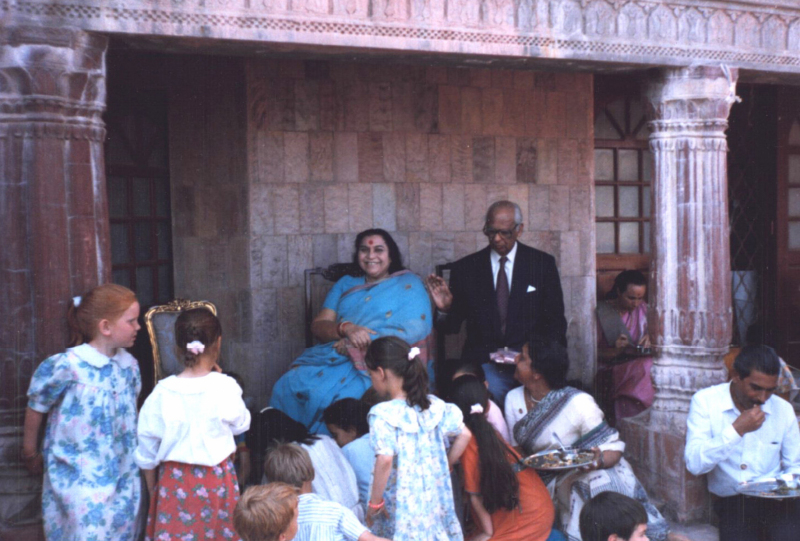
502	294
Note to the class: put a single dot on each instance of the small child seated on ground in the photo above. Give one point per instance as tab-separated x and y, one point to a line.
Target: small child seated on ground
317	518
267	513
611	516
346	420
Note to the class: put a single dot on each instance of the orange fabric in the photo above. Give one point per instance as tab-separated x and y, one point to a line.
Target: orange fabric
533	520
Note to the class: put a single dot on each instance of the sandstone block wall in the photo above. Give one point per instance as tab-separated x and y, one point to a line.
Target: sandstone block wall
210	206
334	148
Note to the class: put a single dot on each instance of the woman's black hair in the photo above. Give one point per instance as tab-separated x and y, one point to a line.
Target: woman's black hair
395	259
499	484
347	414
550	359
623	280
391	353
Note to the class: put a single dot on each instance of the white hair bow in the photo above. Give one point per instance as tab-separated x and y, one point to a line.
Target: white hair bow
475	408
196	347
412	353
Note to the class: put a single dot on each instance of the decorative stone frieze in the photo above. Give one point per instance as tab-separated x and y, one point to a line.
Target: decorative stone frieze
751	34
690	297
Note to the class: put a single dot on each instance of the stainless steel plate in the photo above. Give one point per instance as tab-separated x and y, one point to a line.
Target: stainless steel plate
553	461
769	488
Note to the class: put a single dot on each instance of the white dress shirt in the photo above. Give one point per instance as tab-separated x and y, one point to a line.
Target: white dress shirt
191	421
714	447
495	259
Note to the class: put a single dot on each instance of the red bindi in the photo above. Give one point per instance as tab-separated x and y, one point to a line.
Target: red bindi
370	241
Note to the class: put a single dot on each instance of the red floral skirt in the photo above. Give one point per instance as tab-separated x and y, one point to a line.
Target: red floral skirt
193	503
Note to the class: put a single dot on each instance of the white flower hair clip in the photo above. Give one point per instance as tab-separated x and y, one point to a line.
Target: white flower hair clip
476	408
77	301
412	353
196	347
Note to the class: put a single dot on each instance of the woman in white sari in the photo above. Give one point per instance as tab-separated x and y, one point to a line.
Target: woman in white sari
545	406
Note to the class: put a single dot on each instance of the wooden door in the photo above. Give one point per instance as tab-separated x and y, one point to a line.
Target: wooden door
788	225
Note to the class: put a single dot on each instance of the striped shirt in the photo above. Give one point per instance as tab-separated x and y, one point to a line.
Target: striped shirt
322	520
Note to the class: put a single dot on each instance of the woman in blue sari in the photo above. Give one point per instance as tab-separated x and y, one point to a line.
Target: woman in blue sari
386	301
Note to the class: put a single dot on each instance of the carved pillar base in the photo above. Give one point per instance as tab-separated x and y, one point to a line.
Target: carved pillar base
690	319
54	228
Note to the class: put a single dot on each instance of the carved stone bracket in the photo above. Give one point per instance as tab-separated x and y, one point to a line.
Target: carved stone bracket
691	304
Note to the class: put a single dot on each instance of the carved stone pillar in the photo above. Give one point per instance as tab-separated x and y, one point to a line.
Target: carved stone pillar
690	296
54	228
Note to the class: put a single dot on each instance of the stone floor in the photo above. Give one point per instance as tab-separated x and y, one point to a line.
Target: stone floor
696	532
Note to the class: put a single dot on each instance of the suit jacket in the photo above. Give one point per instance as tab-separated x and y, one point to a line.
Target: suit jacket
531	312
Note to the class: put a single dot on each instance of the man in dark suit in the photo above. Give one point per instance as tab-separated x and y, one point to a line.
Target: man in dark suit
508	293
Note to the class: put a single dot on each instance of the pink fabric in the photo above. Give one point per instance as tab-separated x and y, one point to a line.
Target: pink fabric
631	382
496	419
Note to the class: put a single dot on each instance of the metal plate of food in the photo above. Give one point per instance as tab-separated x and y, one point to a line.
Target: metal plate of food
776	489
556	460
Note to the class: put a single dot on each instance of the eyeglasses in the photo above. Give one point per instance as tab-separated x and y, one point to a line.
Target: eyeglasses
505	233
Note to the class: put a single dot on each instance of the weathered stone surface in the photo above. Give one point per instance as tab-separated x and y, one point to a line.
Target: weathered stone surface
754	35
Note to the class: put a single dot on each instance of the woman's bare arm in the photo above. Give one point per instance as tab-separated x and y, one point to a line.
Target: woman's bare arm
325	328
482	518
459	445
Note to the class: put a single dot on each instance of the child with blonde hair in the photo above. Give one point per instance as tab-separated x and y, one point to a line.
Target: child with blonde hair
317	519
92	487
411	496
186	430
267	513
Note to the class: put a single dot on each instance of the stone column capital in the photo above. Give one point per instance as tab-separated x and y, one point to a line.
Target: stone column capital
52	83
692	101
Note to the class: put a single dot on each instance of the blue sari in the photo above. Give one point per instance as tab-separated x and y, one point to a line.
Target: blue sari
397	306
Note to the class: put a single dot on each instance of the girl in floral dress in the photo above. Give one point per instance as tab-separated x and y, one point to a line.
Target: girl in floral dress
186	429
92	487
411	498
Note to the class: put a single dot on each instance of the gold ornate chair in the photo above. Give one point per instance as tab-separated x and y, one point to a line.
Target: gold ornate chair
160	322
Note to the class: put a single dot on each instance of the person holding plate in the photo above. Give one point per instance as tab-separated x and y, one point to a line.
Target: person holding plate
544	410
623	375
738	432
507	293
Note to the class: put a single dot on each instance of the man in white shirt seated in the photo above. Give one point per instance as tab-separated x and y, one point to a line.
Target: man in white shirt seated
739	431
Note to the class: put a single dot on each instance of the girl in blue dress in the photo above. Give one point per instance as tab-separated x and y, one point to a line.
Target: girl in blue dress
92	485
411	496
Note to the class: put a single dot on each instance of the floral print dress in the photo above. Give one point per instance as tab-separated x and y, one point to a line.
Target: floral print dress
419	494
92	486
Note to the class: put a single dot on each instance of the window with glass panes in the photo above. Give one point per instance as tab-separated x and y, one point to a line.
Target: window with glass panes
622	175
137	171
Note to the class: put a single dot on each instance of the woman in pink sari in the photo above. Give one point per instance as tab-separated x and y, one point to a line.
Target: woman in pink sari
624	383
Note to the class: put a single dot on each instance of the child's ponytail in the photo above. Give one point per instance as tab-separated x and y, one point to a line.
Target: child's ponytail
392	353
415	381
499	484
196	330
